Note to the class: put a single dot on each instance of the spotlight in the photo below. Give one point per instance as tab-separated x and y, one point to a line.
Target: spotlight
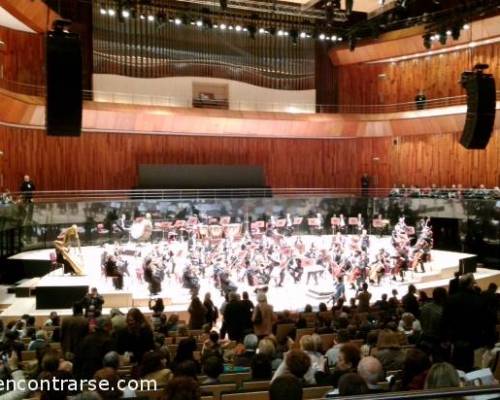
321	36
303	35
103	11
199	23
280	33
448	32
222	27
151	18
340	38
177	21
237	28
125	13
142	16
111	12
333	38
466	27
230	27
262	31
427	41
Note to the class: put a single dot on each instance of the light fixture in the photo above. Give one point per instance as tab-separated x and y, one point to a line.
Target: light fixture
111	12
333	38
230	27
466	27
199	23
237	28
448	32
151	18
303	35
280	33
222	26
262	30
285	33
142	16
125	13
340	38
322	36
177	21
215	26
103	11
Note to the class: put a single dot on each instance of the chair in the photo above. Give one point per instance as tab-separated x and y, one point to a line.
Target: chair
27	355
236	378
316	392
310	319
217	390
256	385
284	330
149	394
303	332
246	396
357	342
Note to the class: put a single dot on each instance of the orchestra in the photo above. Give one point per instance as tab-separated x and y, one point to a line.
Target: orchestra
267	255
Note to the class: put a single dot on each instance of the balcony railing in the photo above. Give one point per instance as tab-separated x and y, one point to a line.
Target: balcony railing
242	104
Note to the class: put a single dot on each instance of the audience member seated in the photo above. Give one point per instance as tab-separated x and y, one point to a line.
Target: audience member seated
213	366
297	363
352	384
182	388
340	338
244	360
212	345
415	368
311	345
286	387
260	368
39	342
347	361
110	389
442	375
410	326
389	350
185	351
153	367
267	348
372	372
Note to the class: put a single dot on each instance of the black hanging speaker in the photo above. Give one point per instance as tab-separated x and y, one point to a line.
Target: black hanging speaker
64	81
481	104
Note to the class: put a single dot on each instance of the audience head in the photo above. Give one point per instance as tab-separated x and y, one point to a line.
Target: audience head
250	342
412	289
244	295
187	368
439	295
213	366
415	363
442	375
110	376
286	387
152	361
262	298
352	384
467	281
261	367
308	308
307	343
297	362
348	357
185	350
266	347
371	370
318	343
182	388
111	359
492	287
135	319
214	337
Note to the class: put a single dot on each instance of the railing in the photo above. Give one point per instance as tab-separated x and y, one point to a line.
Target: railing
158	194
450	393
241	104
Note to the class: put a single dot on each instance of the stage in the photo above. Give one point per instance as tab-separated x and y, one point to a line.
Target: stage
39	296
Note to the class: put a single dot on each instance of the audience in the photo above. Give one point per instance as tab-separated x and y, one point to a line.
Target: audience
286	387
371	371
352	384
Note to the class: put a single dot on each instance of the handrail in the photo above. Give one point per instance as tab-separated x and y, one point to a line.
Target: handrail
124	194
430	393
238	104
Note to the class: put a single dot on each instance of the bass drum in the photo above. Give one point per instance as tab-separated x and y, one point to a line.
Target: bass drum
141	230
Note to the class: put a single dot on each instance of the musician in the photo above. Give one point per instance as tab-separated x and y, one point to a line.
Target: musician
190	280
339	289
295	269
365	240
68	236
150	277
111	270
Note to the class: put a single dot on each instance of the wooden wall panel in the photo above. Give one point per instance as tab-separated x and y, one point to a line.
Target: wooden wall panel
110	160
389	83
23	56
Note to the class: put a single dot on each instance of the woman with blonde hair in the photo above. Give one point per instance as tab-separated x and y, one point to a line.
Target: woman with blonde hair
442	375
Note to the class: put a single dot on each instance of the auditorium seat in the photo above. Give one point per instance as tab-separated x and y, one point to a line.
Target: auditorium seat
237	378
284	330
246	396
28	355
217	390
316	392
256	385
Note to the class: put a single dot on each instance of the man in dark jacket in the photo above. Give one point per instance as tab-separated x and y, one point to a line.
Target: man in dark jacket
410	303
234	318
73	330
91	351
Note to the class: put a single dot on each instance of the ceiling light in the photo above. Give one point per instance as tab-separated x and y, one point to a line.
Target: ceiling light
285	33
280	33
151	18
222	26
262	30
322	36
230	27
333	38
303	35
466	27
125	13
111	12
448	32
237	28
215	26
103	11
339	39
142	16
199	23
177	21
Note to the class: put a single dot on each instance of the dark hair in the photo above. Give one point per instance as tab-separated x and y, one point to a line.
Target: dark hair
213	366
151	362
261	367
286	387
185	350
186	368
109	375
77	308
50	361
416	362
351	384
182	388
439	295
322	307
298	362
351	354
214	337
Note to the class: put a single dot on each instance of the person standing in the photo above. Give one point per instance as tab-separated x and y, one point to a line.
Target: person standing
365	184
27	189
420	100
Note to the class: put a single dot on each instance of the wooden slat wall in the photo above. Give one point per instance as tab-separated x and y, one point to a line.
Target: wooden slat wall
23	56
110	160
389	83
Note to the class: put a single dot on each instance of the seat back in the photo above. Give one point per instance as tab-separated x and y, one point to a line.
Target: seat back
246	396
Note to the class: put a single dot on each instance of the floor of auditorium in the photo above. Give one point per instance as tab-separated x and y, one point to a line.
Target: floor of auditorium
291	296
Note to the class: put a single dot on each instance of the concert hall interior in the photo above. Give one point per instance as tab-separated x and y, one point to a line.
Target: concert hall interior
250	199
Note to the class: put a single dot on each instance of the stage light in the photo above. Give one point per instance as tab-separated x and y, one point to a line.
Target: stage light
223	27
237	28
103	11
177	21
230	27
322	36
111	12
340	38
199	23
262	31
142	16
333	38
448	32
466	27
125	13
285	33
151	18
303	35
215	26
280	33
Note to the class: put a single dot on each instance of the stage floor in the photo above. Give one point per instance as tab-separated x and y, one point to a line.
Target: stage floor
291	296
